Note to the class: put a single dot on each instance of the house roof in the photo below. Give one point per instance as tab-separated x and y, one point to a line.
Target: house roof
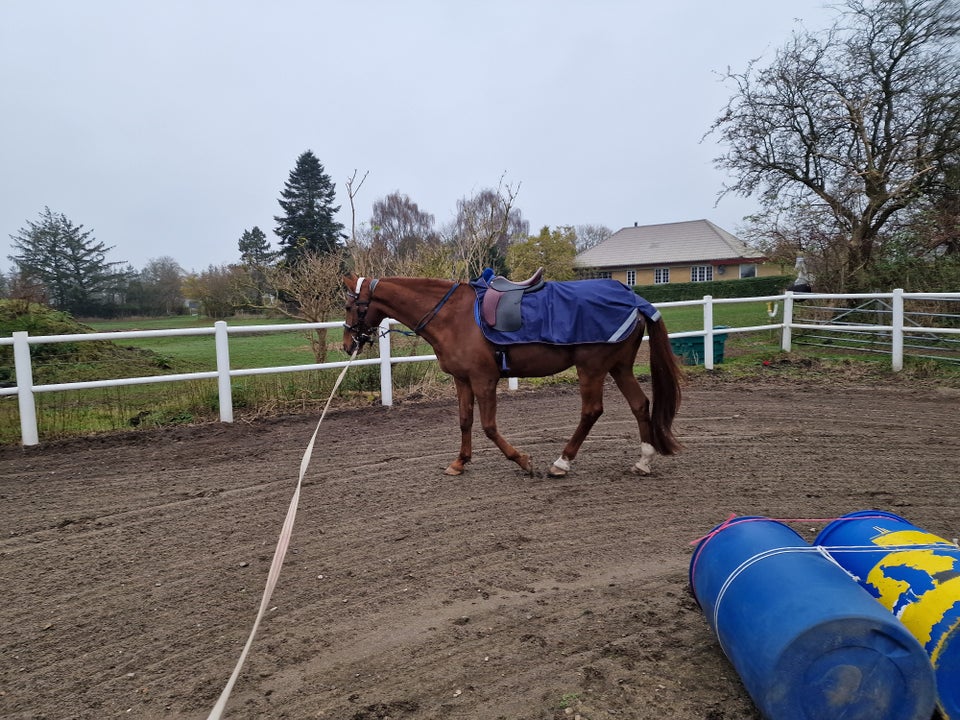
666	244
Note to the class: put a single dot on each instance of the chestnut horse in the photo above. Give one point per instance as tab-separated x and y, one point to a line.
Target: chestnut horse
442	313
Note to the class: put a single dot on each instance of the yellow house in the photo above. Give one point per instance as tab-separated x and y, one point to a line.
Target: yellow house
691	251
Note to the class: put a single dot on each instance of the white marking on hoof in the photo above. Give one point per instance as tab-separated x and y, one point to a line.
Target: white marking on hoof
643	466
559	468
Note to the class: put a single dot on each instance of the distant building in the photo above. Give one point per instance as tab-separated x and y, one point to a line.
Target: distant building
691	251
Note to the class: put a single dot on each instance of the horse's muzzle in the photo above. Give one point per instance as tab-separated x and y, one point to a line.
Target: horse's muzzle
356	341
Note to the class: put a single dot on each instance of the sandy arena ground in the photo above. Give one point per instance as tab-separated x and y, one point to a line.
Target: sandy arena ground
132	565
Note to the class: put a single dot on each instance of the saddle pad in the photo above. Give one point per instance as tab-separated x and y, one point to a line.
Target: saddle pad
573	312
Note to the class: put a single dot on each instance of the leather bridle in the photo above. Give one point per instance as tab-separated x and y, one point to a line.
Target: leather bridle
362	332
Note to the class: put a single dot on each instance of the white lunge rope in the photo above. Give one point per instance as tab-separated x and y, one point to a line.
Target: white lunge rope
278	555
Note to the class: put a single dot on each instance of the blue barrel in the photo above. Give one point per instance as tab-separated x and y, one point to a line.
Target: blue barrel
807	641
915	575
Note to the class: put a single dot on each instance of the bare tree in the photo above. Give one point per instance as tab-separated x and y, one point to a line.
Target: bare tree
854	121
401	226
162	279
215	289
309	291
485	225
935	222
23	287
806	231
368	255
588	236
353	187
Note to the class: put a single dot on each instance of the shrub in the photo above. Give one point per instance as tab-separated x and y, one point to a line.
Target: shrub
748	287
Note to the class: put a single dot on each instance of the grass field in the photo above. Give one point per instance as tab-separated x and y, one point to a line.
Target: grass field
80	412
165	403
246	351
290	348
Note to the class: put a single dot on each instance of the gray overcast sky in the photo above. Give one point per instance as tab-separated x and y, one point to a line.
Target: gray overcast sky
168	127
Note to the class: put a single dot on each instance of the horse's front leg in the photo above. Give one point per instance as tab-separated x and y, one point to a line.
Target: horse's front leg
487	399
465	402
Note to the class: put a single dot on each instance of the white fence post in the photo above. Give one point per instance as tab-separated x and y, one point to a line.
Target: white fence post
896	336
708	330
386	368
786	334
223	371
28	407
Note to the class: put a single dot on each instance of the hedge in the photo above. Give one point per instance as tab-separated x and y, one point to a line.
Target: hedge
748	287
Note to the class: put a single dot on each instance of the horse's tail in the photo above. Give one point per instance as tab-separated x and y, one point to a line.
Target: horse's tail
665	377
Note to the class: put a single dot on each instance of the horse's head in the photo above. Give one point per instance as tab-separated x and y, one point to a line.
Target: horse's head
358	325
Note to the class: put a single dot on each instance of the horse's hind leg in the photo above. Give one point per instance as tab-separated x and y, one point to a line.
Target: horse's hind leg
640	406
591	408
465	402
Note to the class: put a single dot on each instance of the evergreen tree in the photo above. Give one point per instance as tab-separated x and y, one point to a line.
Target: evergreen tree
308	222
69	262
256	258
254	248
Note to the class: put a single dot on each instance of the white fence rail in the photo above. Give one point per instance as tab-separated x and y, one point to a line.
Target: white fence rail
221	331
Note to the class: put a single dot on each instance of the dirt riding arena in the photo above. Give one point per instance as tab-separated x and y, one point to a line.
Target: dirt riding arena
132	566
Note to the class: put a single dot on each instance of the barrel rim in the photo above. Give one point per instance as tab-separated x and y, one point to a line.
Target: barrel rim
858	515
719	528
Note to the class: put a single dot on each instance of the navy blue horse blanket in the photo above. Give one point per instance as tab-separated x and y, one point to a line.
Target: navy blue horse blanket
571	312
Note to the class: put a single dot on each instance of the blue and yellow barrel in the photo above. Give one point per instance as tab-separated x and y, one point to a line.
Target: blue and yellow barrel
915	575
806	640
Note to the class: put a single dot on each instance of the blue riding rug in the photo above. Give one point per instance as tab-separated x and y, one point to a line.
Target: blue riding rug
568	312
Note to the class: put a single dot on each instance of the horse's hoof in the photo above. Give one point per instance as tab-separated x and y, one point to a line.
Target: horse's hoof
644	466
453	470
526	464
560	467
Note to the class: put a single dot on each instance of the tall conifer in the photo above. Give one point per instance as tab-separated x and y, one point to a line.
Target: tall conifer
308	222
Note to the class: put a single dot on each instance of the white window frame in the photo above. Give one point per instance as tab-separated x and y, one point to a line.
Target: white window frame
661	276
701	273
631	277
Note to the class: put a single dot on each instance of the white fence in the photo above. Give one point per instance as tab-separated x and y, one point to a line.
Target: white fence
25	389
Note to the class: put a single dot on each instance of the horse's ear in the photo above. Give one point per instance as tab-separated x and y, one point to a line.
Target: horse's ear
349	281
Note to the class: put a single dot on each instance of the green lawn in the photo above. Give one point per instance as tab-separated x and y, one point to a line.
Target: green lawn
290	348
80	412
745	314
253	350
151	404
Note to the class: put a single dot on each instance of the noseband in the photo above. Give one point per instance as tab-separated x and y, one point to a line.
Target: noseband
362	333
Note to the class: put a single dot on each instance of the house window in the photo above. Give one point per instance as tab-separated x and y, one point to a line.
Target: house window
748	271
661	276
631	277
604	275
701	273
